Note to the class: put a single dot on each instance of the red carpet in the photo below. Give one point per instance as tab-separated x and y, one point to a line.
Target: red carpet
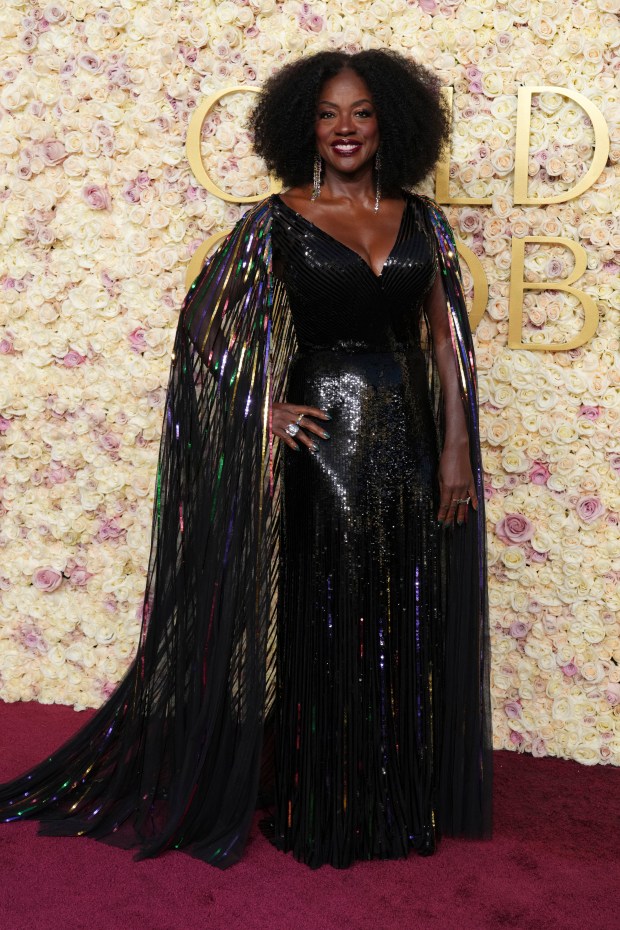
554	862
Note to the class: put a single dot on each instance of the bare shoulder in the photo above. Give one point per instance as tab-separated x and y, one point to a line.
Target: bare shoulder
296	197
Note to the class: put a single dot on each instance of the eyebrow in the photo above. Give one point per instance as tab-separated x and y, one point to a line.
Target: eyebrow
356	103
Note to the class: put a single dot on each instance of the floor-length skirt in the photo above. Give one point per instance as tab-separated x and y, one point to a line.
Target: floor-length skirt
359	635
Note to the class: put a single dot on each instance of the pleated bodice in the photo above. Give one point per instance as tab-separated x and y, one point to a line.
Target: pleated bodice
335	296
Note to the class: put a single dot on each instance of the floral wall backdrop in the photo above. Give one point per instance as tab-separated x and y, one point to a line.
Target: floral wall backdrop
100	216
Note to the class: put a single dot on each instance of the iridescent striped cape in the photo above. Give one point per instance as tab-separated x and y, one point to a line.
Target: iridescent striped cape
173	757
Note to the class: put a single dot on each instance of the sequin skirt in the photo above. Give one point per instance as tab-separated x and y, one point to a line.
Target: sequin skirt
359	618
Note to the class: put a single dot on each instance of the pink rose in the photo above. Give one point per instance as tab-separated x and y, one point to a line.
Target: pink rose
6	347
429	6
614	461
89	62
52	152
54	13
4	424
516	738
110	529
592	413
555	268
27	41
31	638
72	359
312	23
514	528
589	509
512	710
470	220
570	669
79	576
539	747
47	579
97	197
518	629
118	76
110	442
137	341
57	474
612	693
130	192
539	473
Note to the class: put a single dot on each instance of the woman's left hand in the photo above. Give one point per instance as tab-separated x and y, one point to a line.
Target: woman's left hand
456	484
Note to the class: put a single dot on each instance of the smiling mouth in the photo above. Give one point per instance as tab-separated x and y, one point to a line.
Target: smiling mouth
346	148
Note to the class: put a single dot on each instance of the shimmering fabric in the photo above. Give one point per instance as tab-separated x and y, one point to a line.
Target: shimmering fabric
172	759
360	620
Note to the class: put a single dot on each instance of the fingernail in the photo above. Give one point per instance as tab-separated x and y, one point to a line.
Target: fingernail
459	523
296	448
327	416
314	447
326	435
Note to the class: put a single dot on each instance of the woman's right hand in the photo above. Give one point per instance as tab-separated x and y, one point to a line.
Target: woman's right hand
283	414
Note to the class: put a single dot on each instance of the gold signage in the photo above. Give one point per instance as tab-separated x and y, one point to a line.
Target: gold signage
518	286
442	172
442	194
522	145
194	154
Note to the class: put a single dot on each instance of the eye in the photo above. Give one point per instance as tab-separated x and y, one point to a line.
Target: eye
364	114
325	114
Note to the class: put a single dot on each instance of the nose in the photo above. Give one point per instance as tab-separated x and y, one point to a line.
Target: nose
344	125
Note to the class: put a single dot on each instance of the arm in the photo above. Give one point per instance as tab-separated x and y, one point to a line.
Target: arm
456	480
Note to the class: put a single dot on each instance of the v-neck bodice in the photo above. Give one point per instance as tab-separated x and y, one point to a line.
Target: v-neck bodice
335	296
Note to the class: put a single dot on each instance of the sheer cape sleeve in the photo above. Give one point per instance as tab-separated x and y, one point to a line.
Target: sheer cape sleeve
464	778
172	759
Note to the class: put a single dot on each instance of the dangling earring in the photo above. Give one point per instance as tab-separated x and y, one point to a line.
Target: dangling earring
316	179
377	181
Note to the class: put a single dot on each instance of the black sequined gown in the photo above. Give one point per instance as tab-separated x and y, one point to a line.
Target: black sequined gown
360	629
377	691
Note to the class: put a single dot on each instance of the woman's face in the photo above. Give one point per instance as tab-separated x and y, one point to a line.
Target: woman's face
347	132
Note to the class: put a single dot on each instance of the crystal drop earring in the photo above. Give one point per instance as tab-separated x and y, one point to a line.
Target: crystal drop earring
316	178
377	181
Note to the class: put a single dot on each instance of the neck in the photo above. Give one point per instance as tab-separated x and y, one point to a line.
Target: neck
358	187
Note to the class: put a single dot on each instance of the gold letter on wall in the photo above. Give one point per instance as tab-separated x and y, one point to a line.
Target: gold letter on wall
194	155
518	285
442	172
522	144
481	286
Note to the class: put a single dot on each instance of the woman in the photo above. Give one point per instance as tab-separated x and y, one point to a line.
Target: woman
322	586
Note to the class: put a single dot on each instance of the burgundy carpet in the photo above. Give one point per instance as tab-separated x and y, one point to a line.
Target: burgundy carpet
554	862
